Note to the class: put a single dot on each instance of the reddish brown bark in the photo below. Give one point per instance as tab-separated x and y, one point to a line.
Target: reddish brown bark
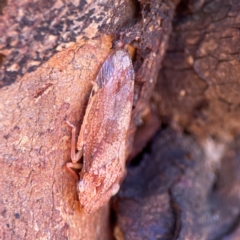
42	89
185	182
35	148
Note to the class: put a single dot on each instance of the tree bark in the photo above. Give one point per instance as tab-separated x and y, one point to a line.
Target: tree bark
50	54
184	183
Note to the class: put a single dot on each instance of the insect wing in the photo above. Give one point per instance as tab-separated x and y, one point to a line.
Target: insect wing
110	114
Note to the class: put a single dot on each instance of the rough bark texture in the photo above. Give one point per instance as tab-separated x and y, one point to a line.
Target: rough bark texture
199	82
185	183
41	89
35	147
181	190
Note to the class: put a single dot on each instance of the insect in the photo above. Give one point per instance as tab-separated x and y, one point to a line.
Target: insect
103	136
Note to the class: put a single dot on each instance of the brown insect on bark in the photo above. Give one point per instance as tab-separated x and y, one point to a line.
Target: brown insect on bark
103	135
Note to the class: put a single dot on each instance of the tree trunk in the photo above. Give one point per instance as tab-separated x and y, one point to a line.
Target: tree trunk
181	185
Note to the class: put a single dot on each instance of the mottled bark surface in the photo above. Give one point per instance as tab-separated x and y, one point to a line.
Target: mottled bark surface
181	190
35	147
199	82
183	184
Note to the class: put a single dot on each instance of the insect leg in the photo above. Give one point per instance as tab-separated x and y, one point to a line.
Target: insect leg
70	167
74	156
95	86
